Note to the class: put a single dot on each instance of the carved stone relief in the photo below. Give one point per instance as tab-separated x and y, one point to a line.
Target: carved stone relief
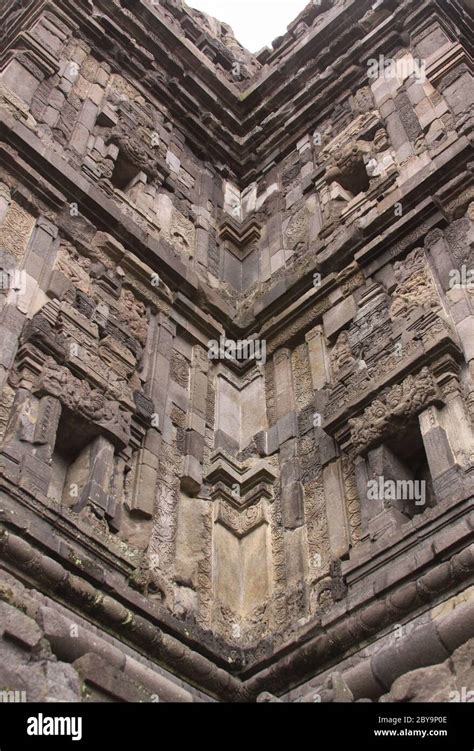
387	413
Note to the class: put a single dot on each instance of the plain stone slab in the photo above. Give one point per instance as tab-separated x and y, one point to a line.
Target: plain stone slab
339	316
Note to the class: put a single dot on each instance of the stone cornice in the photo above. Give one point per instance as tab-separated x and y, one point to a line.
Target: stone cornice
318	645
60	182
242	129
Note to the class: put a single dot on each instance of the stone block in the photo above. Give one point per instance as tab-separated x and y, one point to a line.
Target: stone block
318	358
196	423
328	448
292	504
194	444
431	43
438	451
293	196
88	114
173	161
96	94
8	347
58	285
339	535
191	480
228	443
277	260
339	316
416	93
35	474
144	490
106	683
79	138
270	441
396	131
290	472
20	80
466	333
287	427
51	116
20	627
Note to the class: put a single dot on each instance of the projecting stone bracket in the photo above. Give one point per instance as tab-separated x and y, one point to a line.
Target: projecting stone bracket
230	473
242	495
240	236
241	523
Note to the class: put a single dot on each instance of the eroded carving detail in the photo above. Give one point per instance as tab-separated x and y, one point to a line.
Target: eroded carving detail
386	413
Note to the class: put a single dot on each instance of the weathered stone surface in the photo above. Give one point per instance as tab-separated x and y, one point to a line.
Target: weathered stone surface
451	681
236	351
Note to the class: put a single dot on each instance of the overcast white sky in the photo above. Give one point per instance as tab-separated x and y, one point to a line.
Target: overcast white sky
256	23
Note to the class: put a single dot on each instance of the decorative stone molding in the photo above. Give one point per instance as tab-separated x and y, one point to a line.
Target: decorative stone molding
242	494
161	188
241	521
388	413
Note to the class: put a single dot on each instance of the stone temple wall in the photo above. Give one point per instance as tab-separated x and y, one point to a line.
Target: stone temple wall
184	521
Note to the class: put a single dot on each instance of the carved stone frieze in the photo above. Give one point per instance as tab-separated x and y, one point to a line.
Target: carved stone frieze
387	413
241	522
163	188
78	396
415	287
16	230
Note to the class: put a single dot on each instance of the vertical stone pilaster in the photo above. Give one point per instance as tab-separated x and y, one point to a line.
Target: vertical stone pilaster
284	396
338	525
157	383
96	490
292	491
318	358
196	424
5	200
156	388
438	450
284	389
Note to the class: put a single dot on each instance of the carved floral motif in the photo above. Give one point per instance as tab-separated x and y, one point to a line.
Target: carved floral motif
81	398
132	312
415	288
241	522
387	412
16	230
352	500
